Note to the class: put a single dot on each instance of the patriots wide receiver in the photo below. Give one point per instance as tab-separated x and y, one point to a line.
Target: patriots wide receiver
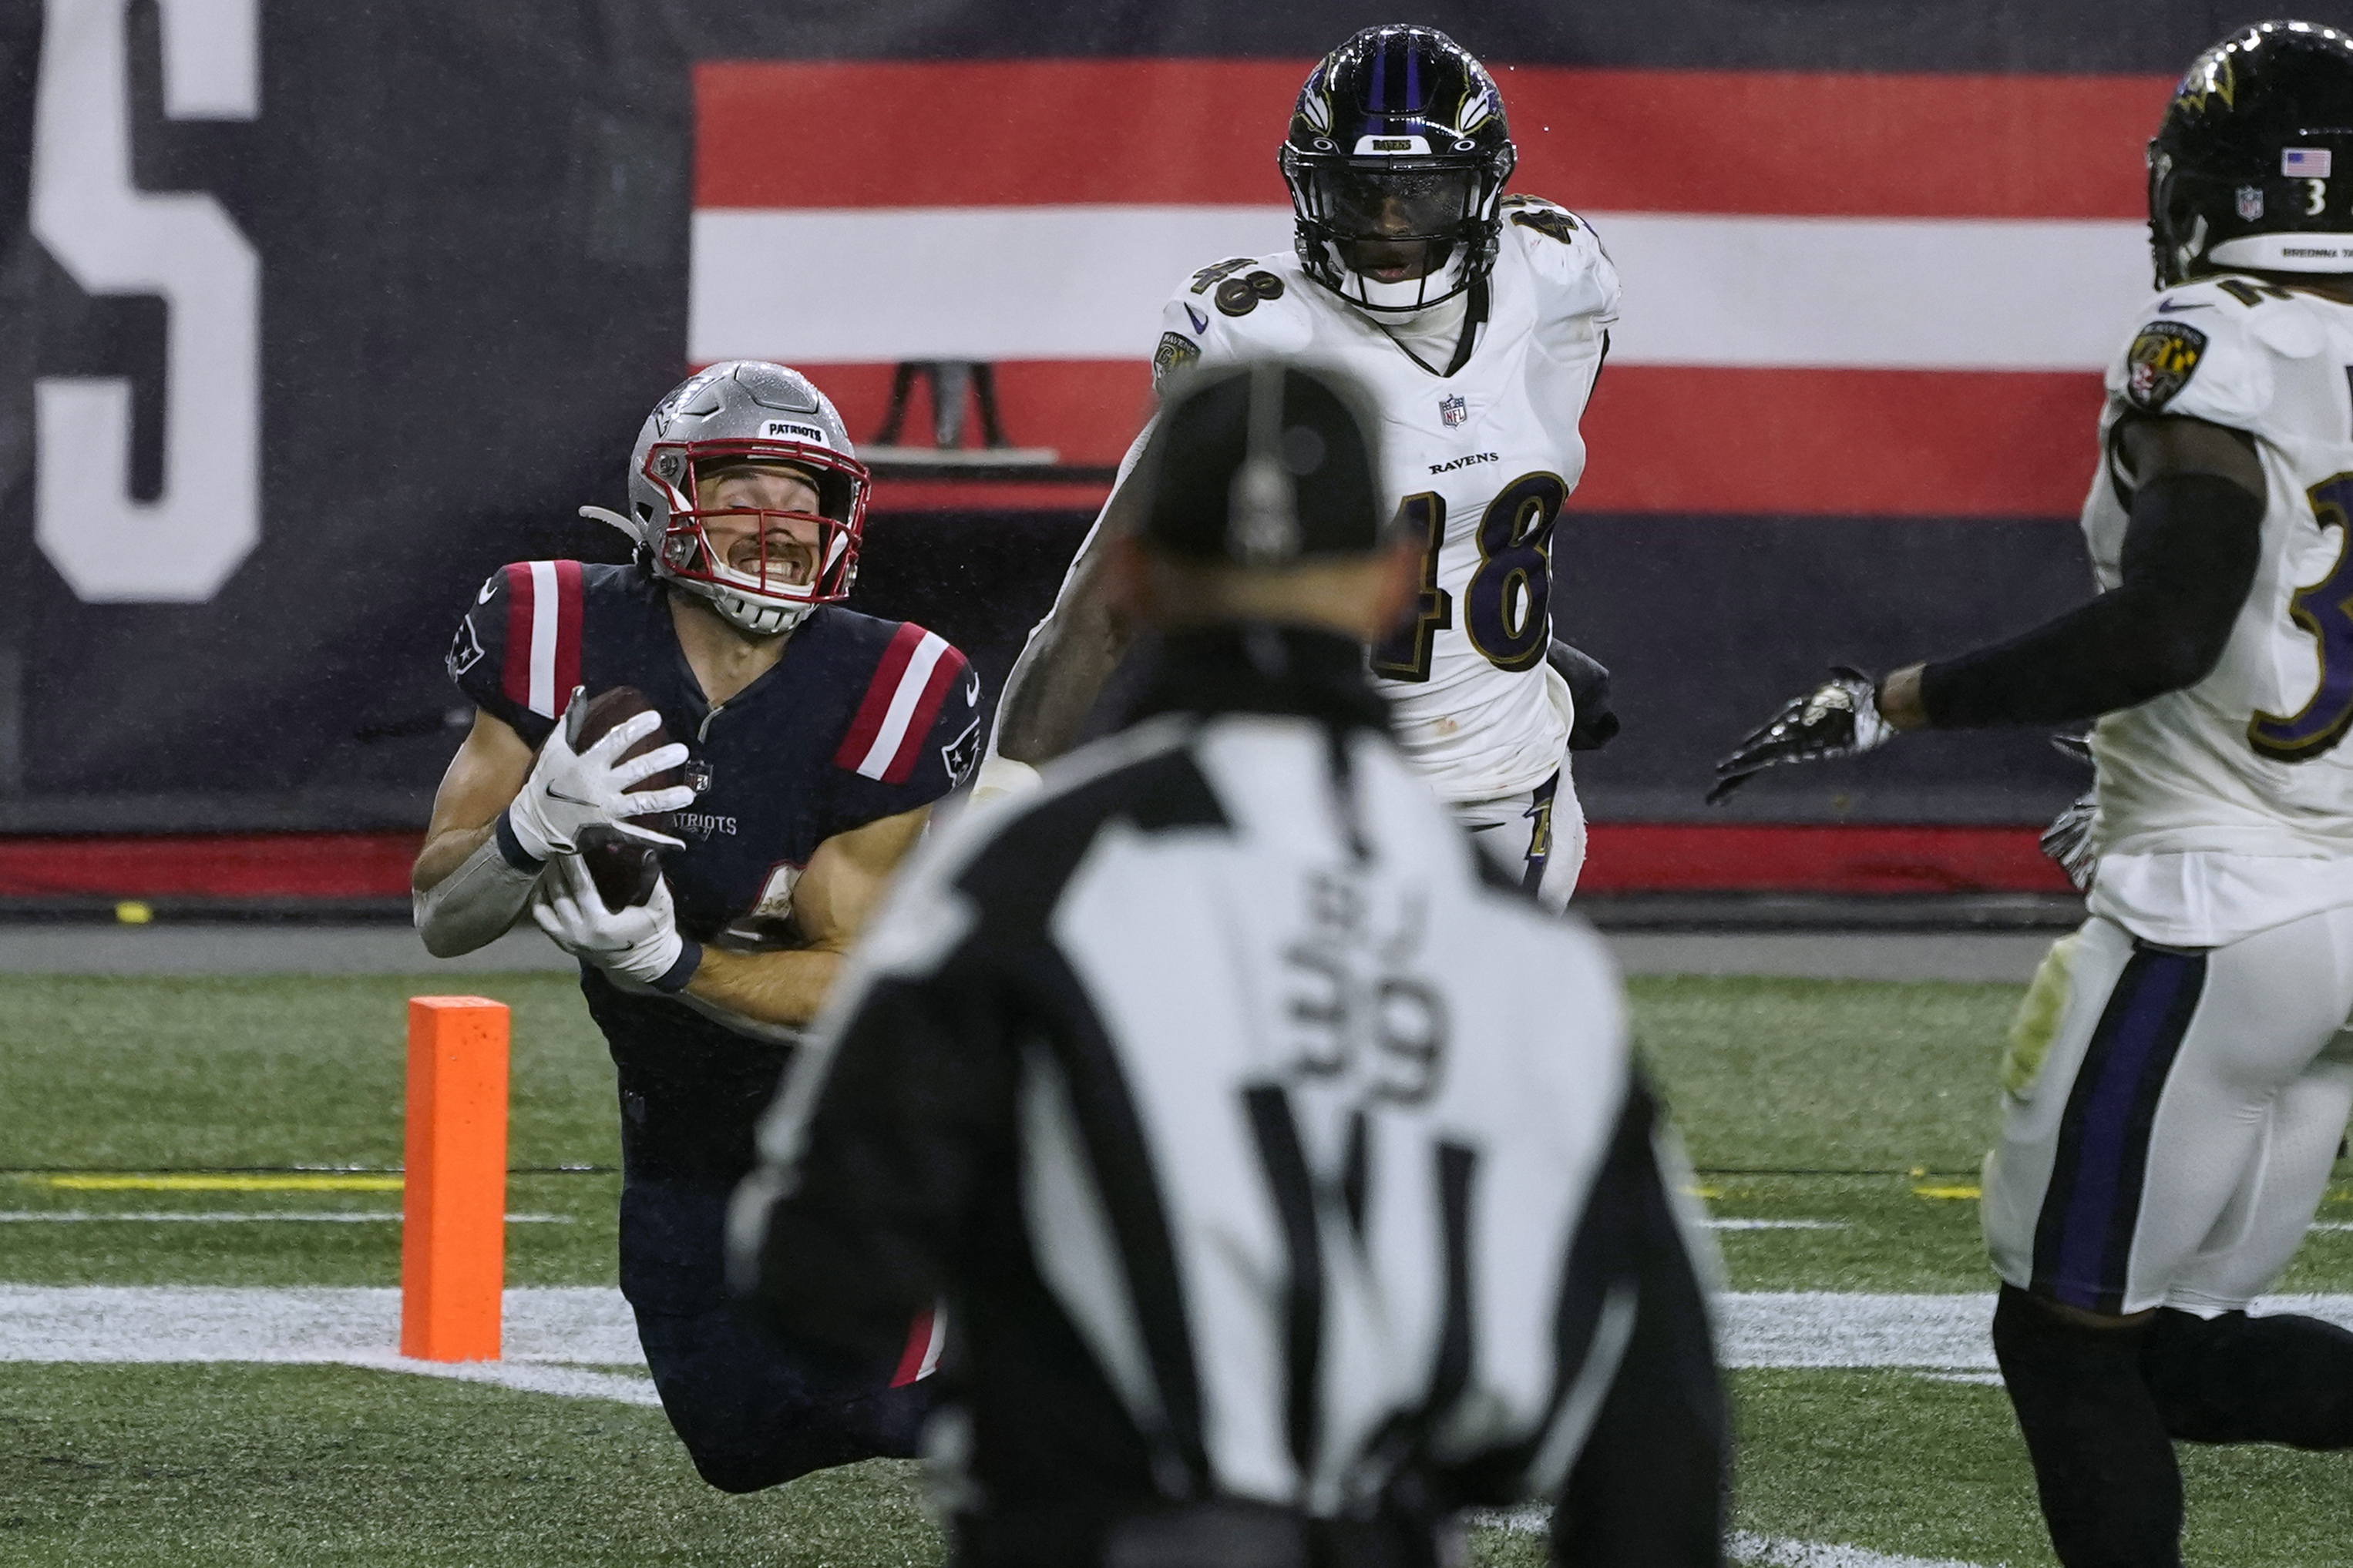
813	741
2180	1074
1479	321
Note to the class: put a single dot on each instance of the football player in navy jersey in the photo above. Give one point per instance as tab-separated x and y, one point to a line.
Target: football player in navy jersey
813	741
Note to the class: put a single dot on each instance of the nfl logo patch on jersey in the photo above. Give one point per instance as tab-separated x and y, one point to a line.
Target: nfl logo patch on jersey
1453	410
698	775
2251	202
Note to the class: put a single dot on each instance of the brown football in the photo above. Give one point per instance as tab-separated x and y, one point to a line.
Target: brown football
624	872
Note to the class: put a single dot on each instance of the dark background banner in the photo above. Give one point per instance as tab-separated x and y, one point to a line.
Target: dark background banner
470	228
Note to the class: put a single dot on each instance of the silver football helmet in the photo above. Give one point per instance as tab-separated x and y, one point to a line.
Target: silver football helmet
746	412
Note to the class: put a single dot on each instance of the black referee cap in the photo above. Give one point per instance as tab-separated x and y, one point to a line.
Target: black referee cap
1262	464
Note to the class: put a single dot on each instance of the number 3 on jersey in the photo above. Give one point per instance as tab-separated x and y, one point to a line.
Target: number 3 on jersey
2324	610
1508	598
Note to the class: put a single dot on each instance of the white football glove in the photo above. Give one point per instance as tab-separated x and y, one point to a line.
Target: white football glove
568	790
1840	718
640	941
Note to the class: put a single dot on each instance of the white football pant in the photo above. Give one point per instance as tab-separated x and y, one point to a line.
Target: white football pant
2171	1116
1537	836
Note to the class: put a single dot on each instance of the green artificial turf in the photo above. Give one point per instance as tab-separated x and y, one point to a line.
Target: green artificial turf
1849	1106
157	1073
185	1467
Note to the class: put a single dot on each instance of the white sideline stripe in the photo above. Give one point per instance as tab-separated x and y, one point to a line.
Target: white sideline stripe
901	712
1088	283
1777	1225
228	1216
542	638
526	1377
587	1325
1777	1551
1826	1329
593	1325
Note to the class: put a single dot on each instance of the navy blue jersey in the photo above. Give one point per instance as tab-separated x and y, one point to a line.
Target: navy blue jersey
860	718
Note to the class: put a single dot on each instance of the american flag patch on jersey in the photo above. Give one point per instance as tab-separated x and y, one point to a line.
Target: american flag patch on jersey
2306	162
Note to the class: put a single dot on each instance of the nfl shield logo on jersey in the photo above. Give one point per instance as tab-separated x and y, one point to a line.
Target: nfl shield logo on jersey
1453	410
698	775
2251	202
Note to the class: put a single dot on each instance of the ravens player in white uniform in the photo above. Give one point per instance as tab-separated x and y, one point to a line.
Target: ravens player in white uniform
2180	1074
1479	320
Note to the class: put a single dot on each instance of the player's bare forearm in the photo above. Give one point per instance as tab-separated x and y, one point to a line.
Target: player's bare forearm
482	781
1071	653
831	903
1055	682
1899	699
787	988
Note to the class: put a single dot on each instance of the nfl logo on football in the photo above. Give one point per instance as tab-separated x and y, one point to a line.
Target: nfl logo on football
1453	410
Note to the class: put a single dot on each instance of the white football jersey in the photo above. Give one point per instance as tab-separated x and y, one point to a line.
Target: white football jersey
2226	808
1481	460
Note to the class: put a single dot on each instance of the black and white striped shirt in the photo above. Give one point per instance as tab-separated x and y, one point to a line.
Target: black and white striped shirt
1266	1145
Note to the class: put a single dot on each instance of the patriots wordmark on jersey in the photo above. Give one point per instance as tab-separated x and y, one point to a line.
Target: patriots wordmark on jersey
1479	456
859	720
2227	807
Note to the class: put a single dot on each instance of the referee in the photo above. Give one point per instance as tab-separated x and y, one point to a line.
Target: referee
1282	1164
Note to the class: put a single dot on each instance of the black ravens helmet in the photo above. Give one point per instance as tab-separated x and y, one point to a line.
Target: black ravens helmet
2241	174
1395	161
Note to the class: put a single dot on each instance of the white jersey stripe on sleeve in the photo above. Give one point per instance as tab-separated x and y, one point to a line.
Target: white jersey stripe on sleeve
901	712
543	610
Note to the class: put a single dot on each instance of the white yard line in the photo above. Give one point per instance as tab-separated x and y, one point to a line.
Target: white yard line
228	1216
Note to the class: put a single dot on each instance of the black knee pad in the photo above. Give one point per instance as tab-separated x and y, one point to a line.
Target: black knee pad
2237	1379
2103	1467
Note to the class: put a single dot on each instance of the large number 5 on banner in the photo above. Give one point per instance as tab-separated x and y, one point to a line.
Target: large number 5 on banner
113	239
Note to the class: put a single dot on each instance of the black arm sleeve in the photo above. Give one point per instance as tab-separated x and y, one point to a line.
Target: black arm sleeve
2189	557
1650	1486
916	1104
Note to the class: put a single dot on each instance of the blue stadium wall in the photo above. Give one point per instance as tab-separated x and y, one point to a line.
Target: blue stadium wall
472	225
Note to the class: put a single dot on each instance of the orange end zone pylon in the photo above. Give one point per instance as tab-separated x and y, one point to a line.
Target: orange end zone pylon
454	1199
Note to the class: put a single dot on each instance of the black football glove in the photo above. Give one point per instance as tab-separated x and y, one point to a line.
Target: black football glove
2068	839
1838	718
1588	689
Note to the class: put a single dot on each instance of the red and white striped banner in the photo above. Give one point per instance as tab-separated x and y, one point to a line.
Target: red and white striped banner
1877	295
